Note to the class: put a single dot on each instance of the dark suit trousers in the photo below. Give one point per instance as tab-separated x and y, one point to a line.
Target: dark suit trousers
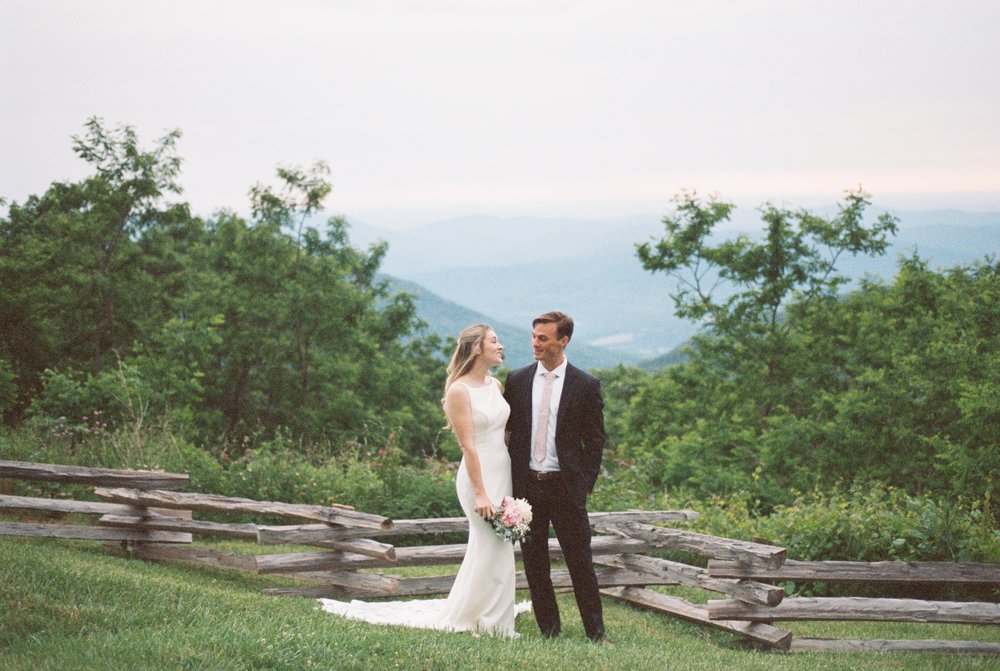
550	502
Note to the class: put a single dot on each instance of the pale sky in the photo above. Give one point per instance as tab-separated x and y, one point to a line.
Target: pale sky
428	109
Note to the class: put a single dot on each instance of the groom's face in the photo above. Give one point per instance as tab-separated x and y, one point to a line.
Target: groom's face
547	347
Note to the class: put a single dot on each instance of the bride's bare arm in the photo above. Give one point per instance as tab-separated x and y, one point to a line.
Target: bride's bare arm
458	409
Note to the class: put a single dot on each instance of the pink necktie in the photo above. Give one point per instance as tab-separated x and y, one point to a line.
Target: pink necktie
542	432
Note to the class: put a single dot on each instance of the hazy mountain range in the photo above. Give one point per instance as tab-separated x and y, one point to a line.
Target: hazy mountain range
506	271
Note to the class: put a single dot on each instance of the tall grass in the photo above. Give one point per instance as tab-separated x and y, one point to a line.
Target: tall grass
67	605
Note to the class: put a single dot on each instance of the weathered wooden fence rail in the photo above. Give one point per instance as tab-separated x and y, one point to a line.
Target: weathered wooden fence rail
845	571
24	470
141	515
21	470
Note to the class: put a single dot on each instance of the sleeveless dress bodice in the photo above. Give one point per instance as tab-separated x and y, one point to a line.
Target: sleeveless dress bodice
482	596
489	418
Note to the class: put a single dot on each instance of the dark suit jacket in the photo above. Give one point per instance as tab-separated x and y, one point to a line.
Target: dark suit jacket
579	429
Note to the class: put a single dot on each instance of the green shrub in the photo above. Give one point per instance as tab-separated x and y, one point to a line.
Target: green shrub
425	492
623	486
881	524
380	486
205	472
8	387
861	524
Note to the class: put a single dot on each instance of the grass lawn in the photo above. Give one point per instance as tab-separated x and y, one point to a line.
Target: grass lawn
67	605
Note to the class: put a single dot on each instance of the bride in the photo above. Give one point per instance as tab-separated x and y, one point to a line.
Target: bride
482	597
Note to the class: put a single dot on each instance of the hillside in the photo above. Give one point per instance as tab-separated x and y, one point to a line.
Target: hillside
506	271
447	319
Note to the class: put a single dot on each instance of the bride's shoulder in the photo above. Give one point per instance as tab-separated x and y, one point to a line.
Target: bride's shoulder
458	386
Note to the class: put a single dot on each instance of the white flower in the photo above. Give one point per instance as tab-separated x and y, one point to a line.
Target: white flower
512	519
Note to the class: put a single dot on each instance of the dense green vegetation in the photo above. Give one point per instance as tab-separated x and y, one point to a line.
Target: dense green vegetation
796	386
121	308
267	359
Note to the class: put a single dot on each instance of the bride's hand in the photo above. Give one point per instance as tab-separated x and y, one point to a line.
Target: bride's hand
484	507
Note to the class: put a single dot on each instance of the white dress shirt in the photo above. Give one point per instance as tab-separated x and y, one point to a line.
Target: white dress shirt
551	461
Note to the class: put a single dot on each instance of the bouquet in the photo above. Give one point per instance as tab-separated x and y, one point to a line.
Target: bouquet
512	519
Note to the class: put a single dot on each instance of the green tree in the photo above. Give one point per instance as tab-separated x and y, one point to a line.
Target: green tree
302	195
235	330
310	338
892	383
72	286
738	288
700	424
119	202
619	385
903	385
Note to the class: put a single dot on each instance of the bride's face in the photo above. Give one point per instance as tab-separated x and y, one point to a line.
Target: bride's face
492	349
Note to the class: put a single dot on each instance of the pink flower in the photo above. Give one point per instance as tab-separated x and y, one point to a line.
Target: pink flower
512	519
511	512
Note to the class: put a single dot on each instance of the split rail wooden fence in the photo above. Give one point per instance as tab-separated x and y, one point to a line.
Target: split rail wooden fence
142	515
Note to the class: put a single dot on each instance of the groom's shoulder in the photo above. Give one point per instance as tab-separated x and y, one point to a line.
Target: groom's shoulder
573	370
521	373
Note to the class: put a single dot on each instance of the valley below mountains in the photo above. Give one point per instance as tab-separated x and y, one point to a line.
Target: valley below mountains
506	271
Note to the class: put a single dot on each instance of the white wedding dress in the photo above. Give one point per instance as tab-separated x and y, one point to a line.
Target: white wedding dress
482	597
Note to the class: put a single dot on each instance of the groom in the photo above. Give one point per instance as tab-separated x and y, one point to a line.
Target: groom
556	440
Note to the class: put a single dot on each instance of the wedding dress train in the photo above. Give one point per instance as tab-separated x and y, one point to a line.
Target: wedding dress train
482	597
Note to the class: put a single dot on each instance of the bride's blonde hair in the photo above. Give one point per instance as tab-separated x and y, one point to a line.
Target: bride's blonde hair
470	341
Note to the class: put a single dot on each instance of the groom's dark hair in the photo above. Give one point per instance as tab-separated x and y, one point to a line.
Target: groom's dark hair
563	322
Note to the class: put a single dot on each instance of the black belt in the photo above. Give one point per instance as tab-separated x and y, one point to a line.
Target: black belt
543	476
